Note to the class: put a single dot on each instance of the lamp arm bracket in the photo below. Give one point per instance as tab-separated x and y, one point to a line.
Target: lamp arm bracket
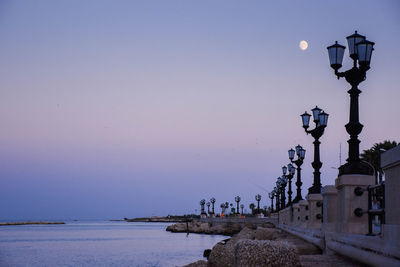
339	74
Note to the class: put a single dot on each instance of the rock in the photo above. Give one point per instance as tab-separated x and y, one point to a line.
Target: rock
266	233
222	254
217	229
268	225
204	227
199	263
259	253
177	227
206	253
245	233
251	226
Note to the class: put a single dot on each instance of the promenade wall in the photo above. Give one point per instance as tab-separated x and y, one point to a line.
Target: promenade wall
337	220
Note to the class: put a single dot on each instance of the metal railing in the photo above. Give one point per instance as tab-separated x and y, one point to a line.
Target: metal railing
376	207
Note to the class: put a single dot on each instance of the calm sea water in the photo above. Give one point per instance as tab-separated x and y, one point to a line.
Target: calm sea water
100	244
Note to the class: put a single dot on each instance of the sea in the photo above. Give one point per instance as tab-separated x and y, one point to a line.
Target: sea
100	243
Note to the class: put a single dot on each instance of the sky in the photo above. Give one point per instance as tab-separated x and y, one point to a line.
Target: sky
113	109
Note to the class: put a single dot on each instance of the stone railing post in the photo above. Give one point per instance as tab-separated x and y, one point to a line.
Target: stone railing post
348	202
390	163
329	195
315	211
304	217
296	215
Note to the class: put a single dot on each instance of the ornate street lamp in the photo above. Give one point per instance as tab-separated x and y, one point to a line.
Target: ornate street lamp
258	198
237	199
222	206
291	170
212	200
242	207
320	120
202	202
300	152
360	50
276	193
282	182
271	195
208	207
252	206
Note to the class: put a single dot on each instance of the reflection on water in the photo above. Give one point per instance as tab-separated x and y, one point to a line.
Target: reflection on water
100	244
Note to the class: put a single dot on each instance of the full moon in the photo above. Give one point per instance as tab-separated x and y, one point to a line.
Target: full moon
303	45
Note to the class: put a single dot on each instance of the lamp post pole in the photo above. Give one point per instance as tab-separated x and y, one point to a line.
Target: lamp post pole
271	196
283	182
320	120
360	51
291	170
237	199
202	203
258	198
212	200
300	152
277	193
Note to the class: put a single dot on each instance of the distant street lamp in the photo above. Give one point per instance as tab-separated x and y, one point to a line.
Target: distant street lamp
252	206
202	203
258	198
277	193
212	200
320	120
222	206
242	207
300	152
282	185
360	50
237	199
289	177
271	195
208	207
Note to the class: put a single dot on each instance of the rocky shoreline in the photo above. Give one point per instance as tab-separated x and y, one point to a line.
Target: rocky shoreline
257	246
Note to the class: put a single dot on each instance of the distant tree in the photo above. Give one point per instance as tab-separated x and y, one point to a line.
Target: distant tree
373	156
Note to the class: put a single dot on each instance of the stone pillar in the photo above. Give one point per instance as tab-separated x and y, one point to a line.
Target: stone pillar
296	215
304	216
390	163
348	201
287	214
329	195
315	211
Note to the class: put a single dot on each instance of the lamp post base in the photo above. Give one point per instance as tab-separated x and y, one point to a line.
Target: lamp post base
315	189
357	167
297	199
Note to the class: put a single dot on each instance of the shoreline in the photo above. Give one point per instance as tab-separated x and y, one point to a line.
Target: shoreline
259	245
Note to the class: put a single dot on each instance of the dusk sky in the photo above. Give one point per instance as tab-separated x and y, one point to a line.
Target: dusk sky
112	109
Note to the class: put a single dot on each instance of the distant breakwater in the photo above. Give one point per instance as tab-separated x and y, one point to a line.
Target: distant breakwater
28	223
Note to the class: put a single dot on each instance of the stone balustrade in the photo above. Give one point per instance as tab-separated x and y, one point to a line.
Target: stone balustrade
329	220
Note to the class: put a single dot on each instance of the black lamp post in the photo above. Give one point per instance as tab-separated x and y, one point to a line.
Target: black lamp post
258	198
212	200
242	207
360	50
237	199
290	175
271	195
283	181
300	152
208	207
320	120
277	193
202	203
